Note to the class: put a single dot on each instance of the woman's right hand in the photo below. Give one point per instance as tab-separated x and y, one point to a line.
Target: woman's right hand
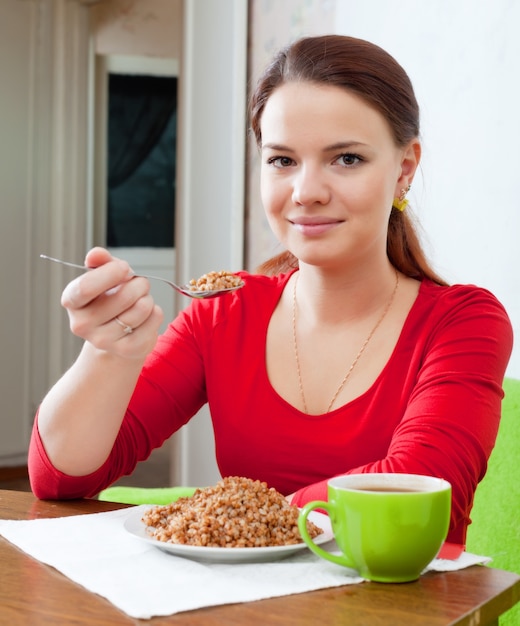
97	299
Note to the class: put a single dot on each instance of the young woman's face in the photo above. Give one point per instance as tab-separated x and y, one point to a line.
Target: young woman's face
330	171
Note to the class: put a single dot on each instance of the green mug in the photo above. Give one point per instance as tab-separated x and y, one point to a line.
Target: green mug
388	527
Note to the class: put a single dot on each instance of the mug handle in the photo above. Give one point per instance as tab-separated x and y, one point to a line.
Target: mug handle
341	559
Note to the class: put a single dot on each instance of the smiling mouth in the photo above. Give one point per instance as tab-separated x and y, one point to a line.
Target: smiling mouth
312	227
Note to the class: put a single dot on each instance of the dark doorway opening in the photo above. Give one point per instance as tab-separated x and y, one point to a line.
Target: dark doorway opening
142	131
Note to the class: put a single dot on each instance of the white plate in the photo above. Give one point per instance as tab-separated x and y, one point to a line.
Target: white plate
136	527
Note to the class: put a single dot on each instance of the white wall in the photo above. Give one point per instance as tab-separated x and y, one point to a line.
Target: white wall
464	60
141	27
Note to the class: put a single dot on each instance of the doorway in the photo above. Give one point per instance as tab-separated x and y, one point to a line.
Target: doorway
209	173
142	131
136	174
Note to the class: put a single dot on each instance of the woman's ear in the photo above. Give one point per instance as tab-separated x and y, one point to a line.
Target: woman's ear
410	160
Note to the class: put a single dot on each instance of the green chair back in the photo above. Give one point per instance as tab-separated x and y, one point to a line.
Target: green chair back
495	528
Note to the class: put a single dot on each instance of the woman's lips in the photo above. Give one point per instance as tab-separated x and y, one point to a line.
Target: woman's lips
313	228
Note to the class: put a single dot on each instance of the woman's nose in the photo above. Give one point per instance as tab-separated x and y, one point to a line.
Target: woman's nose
310	187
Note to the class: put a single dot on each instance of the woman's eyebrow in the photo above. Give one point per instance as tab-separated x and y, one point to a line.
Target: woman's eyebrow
276	146
345	145
339	145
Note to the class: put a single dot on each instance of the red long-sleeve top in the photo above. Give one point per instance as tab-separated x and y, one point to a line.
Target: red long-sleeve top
434	409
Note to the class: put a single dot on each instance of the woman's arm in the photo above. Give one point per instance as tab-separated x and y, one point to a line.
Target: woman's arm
80	417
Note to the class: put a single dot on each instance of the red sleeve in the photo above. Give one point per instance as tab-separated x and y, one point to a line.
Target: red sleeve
48	483
451	419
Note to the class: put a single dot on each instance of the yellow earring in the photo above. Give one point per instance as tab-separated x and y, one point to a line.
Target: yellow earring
401	203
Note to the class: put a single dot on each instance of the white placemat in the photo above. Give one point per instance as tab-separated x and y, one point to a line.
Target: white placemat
96	552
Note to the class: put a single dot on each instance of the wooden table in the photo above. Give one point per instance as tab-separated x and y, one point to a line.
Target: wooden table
34	593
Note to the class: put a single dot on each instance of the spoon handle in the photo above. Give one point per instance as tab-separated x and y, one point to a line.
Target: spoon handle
50	258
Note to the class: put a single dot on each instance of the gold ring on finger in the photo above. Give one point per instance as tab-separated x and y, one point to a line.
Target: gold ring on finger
128	330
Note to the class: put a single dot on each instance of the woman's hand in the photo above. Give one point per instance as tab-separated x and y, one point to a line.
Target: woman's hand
105	303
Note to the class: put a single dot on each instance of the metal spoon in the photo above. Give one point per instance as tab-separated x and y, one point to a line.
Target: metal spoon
184	290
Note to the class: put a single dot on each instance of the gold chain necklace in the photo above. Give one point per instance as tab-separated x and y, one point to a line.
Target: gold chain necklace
358	355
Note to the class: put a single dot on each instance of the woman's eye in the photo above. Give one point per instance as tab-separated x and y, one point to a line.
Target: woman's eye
280	161
349	159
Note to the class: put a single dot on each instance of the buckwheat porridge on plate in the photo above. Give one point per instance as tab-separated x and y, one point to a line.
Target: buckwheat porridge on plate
235	513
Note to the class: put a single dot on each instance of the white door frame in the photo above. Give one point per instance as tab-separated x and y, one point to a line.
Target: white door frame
210	178
212	136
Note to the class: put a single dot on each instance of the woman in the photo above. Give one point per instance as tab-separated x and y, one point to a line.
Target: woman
346	354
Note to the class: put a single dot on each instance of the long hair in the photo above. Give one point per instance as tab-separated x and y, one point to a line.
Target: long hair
368	71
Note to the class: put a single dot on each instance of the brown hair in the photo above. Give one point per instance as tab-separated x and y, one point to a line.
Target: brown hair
367	70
